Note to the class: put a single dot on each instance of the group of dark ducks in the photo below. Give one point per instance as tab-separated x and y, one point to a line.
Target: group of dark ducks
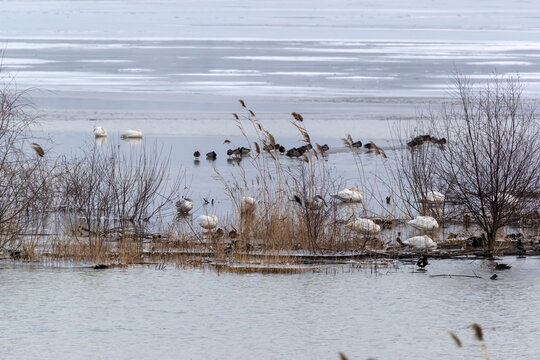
421	139
292	153
243	151
296	152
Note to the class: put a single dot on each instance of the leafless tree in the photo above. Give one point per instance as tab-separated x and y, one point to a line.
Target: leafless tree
491	164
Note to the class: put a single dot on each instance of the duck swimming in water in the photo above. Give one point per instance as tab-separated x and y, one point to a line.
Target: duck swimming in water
211	155
294	152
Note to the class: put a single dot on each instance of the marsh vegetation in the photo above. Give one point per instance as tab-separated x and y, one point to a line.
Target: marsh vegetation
467	171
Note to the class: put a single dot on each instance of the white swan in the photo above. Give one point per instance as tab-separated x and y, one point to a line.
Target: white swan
424	223
435	197
248	205
184	205
353	194
207	221
364	226
132	134
421	242
100	131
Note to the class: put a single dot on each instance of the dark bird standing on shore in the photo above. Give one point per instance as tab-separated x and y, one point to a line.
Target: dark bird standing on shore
422	262
475	241
197	154
520	248
398	239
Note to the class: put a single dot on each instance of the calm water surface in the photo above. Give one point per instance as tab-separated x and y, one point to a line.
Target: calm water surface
140	312
175	69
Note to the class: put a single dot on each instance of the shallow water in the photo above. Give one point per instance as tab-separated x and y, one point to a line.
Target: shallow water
141	312
175	69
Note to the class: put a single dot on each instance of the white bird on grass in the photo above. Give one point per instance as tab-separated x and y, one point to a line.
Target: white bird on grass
353	194
421	242
100	131
363	226
132	134
184	205
248	205
435	197
207	221
426	223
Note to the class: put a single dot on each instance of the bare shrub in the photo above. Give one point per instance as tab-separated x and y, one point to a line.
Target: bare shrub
491	164
414	173
107	193
25	173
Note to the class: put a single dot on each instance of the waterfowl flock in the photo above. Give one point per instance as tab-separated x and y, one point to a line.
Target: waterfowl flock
421	139
294	152
363	226
353	194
